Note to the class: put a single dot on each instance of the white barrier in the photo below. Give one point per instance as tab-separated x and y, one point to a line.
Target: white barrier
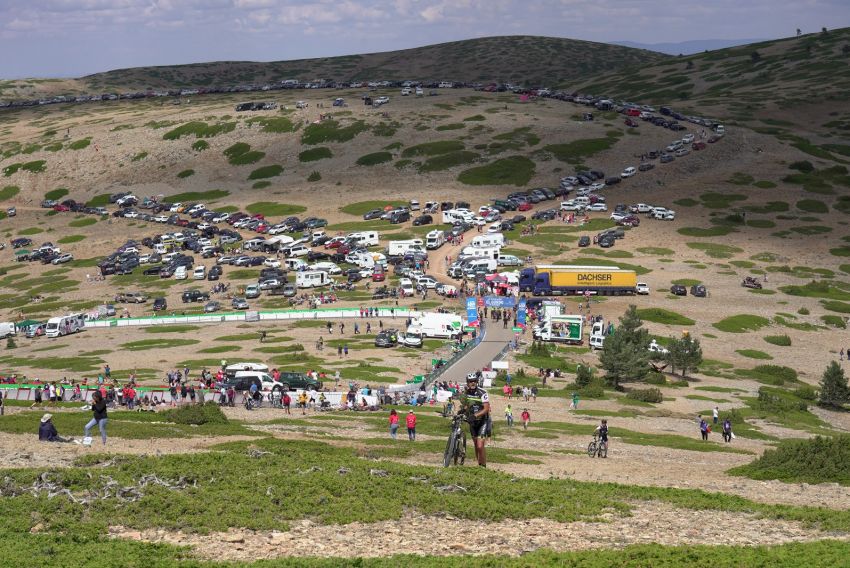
330	313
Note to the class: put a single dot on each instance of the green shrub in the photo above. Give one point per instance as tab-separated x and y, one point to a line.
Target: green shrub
780	340
446	161
200	145
834	321
315	154
806	392
266	172
657	379
56	194
775	375
433	148
778	403
331	131
199	130
79	144
813	460
186	173
514	170
314	176
9	192
374	159
197	414
646	395
741	323
804	166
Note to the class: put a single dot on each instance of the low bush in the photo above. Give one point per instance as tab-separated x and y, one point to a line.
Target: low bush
777	402
646	395
814	460
314	176
806	392
780	340
374	159
315	154
197	414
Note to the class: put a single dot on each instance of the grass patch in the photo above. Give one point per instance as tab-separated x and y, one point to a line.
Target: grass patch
715	250
261	184
362	207
812	206
840	251
274	209
753	354
199	130
447	161
433	148
837	322
656	251
667	317
171	328
159	343
721	200
374	159
315	154
79	144
275	125
31	231
687	202
836	306
9	192
817	289
84	222
71	239
273	170
186	173
450	126
780	340
56	194
514	170
741	323
717	231
574	152
331	131
200	145
240	154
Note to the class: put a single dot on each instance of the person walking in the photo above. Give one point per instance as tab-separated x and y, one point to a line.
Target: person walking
841	354
411	425
98	407
509	416
574	404
715	415
727	430
703	429
526	418
393	423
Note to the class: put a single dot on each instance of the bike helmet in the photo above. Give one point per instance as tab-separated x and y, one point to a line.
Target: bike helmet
471	377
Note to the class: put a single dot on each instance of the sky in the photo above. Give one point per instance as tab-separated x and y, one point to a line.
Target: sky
72	38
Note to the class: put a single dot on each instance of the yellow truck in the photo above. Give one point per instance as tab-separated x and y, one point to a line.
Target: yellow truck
552	279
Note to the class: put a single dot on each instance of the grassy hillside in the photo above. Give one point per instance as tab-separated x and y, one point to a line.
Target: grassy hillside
736	81
527	59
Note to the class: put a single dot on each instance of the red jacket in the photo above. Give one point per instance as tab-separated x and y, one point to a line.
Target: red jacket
411	421
394	419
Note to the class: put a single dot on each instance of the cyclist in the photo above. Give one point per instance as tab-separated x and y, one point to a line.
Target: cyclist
602	434
477	406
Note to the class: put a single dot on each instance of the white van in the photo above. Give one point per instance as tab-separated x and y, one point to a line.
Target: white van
597	341
582	200
473	266
200	272
365	238
295	264
406	288
296	250
312	278
180	273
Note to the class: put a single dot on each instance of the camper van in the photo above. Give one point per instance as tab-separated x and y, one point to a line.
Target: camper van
482	252
479	264
454	216
488	240
295	264
312	278
364	238
435	239
399	248
63	325
447	326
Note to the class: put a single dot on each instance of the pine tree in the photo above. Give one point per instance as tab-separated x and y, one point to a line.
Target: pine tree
625	354
833	386
684	354
584	376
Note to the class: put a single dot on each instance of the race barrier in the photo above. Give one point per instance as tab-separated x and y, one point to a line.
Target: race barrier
249	316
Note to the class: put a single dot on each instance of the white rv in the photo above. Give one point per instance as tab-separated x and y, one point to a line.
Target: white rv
435	239
364	238
454	216
482	252
488	240
312	278
447	326
399	248
8	328
64	325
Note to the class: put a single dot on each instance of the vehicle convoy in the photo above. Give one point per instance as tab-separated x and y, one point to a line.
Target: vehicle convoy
545	280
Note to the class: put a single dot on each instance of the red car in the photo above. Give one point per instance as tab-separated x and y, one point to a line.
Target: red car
182	222
378	277
631	123
524	206
61	207
262	228
698	145
629	221
258	216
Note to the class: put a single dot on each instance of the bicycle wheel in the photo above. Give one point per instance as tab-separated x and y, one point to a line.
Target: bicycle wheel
603	450
460	449
591	449
450	449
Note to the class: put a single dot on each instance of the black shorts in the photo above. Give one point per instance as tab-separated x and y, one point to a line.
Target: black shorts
479	428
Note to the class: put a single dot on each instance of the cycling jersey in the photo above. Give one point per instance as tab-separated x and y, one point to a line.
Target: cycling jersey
475	400
603	433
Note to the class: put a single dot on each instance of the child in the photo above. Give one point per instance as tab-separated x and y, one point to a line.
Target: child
526	418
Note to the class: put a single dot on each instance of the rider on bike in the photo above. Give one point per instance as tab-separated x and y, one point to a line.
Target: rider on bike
255	392
477	405
602	433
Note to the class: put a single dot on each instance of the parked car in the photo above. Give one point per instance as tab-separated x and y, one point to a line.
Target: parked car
423	220
211	307
373	214
239	304
678	290
159	305
642	288
628	172
699	291
584	241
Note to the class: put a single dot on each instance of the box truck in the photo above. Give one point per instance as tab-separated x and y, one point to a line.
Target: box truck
562	329
446	326
547	280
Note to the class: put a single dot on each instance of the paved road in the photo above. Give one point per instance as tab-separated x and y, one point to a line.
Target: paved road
481	355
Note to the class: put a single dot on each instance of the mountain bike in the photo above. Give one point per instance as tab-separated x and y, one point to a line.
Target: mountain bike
456	445
597	448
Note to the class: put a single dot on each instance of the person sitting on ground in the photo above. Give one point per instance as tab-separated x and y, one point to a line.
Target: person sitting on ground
47	431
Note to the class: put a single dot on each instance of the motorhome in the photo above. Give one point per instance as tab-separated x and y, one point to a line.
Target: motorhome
479	252
447	326
7	328
399	248
364	238
435	239
488	240
454	216
312	278
295	264
64	325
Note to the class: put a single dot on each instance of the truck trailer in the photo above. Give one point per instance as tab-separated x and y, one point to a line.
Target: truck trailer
557	279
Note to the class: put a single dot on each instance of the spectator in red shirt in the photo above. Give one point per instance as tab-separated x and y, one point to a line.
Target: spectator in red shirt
411	426
526	418
394	423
